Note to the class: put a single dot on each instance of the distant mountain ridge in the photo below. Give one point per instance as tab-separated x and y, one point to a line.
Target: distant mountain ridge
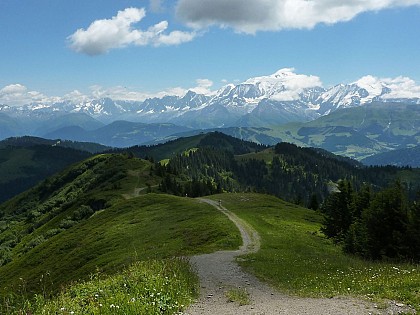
401	157
260	101
356	132
358	120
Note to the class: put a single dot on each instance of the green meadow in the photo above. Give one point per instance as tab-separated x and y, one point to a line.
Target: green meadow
296	258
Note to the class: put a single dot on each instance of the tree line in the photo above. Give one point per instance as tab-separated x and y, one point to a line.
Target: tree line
301	175
374	225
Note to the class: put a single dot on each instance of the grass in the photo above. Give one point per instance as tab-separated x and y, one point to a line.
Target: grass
152	287
145	232
147	227
266	155
296	258
239	296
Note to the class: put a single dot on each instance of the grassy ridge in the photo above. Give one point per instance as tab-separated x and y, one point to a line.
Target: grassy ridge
98	217
148	227
298	259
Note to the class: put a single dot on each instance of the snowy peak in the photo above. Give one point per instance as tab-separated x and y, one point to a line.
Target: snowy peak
400	88
279	97
369	89
373	86
285	85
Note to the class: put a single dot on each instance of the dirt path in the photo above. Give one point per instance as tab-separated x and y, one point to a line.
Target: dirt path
219	273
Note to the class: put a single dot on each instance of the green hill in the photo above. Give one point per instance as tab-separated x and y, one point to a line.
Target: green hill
205	163
29	141
97	214
23	167
216	140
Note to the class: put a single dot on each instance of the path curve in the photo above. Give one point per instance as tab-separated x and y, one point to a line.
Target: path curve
218	273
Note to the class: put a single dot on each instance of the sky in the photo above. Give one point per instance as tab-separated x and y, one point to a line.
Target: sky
134	49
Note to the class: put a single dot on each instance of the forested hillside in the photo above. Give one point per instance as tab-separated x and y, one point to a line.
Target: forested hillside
218	163
374	225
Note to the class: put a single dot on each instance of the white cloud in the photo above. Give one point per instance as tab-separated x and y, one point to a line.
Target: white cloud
125	94
402	87
287	82
118	32
118	93
75	96
18	95
250	16
294	85
13	89
203	87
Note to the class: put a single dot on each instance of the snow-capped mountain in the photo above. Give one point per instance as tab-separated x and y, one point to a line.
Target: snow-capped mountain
282	86
367	90
265	100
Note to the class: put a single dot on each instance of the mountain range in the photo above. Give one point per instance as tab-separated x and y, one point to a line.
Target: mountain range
358	120
260	101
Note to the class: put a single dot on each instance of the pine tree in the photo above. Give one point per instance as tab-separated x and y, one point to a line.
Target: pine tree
338	211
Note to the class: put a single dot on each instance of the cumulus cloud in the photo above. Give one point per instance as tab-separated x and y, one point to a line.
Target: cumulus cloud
18	95
118	32
250	16
203	87
295	86
285	84
118	93
401	87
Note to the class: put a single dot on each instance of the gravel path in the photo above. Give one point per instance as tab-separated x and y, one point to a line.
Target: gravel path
219	273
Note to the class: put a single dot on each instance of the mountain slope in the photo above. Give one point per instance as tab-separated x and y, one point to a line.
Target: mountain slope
118	133
208	162
78	220
365	130
9	127
26	161
402	157
80	120
356	132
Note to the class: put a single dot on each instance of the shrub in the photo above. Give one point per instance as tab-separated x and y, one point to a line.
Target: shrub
66	223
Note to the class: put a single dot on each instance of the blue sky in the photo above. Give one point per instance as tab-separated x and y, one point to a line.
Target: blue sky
52	48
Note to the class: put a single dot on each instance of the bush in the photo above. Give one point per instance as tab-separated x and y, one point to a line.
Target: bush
66	224
83	212
52	232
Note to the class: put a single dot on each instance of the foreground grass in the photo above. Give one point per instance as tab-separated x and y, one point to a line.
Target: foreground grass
152	287
296	258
